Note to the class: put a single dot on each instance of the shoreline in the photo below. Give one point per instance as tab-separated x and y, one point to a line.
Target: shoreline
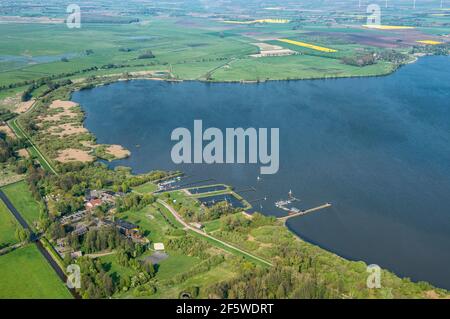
142	77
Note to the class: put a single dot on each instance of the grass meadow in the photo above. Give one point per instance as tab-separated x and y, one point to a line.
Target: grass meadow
26	274
8	226
21	197
202	50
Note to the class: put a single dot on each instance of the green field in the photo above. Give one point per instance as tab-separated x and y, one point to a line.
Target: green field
8	226
146	188
21	197
212	226
25	274
294	67
175	264
217	274
206	51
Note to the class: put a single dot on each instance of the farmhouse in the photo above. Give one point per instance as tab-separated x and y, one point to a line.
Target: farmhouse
93	203
128	229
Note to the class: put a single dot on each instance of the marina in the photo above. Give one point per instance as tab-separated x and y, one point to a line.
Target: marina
294	211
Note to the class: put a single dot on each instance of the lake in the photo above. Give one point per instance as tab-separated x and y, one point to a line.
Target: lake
377	148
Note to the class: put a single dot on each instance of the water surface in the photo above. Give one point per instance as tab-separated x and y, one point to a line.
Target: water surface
378	149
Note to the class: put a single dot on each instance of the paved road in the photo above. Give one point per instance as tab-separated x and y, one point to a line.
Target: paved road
198	231
35	238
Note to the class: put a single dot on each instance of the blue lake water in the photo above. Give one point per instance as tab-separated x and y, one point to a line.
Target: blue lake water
377	148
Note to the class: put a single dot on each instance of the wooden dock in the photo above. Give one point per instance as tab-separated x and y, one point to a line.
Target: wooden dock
304	212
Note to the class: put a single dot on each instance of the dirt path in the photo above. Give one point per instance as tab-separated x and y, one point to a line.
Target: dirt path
100	254
198	231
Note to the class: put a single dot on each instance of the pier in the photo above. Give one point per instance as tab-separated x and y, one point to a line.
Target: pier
304	212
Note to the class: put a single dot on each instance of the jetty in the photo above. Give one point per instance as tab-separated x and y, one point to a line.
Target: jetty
295	212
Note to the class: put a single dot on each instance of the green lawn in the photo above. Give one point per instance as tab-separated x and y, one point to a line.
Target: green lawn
22	199
8	226
212	226
190	53
187	201
217	274
174	265
26	274
146	188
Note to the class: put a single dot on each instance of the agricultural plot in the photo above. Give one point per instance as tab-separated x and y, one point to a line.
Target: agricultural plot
296	67
21	197
308	45
192	49
8	226
388	27
26	274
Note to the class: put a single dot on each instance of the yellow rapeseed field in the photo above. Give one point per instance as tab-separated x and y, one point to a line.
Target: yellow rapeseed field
387	27
430	42
280	21
307	45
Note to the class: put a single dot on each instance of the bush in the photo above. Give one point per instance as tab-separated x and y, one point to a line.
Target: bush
146	55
